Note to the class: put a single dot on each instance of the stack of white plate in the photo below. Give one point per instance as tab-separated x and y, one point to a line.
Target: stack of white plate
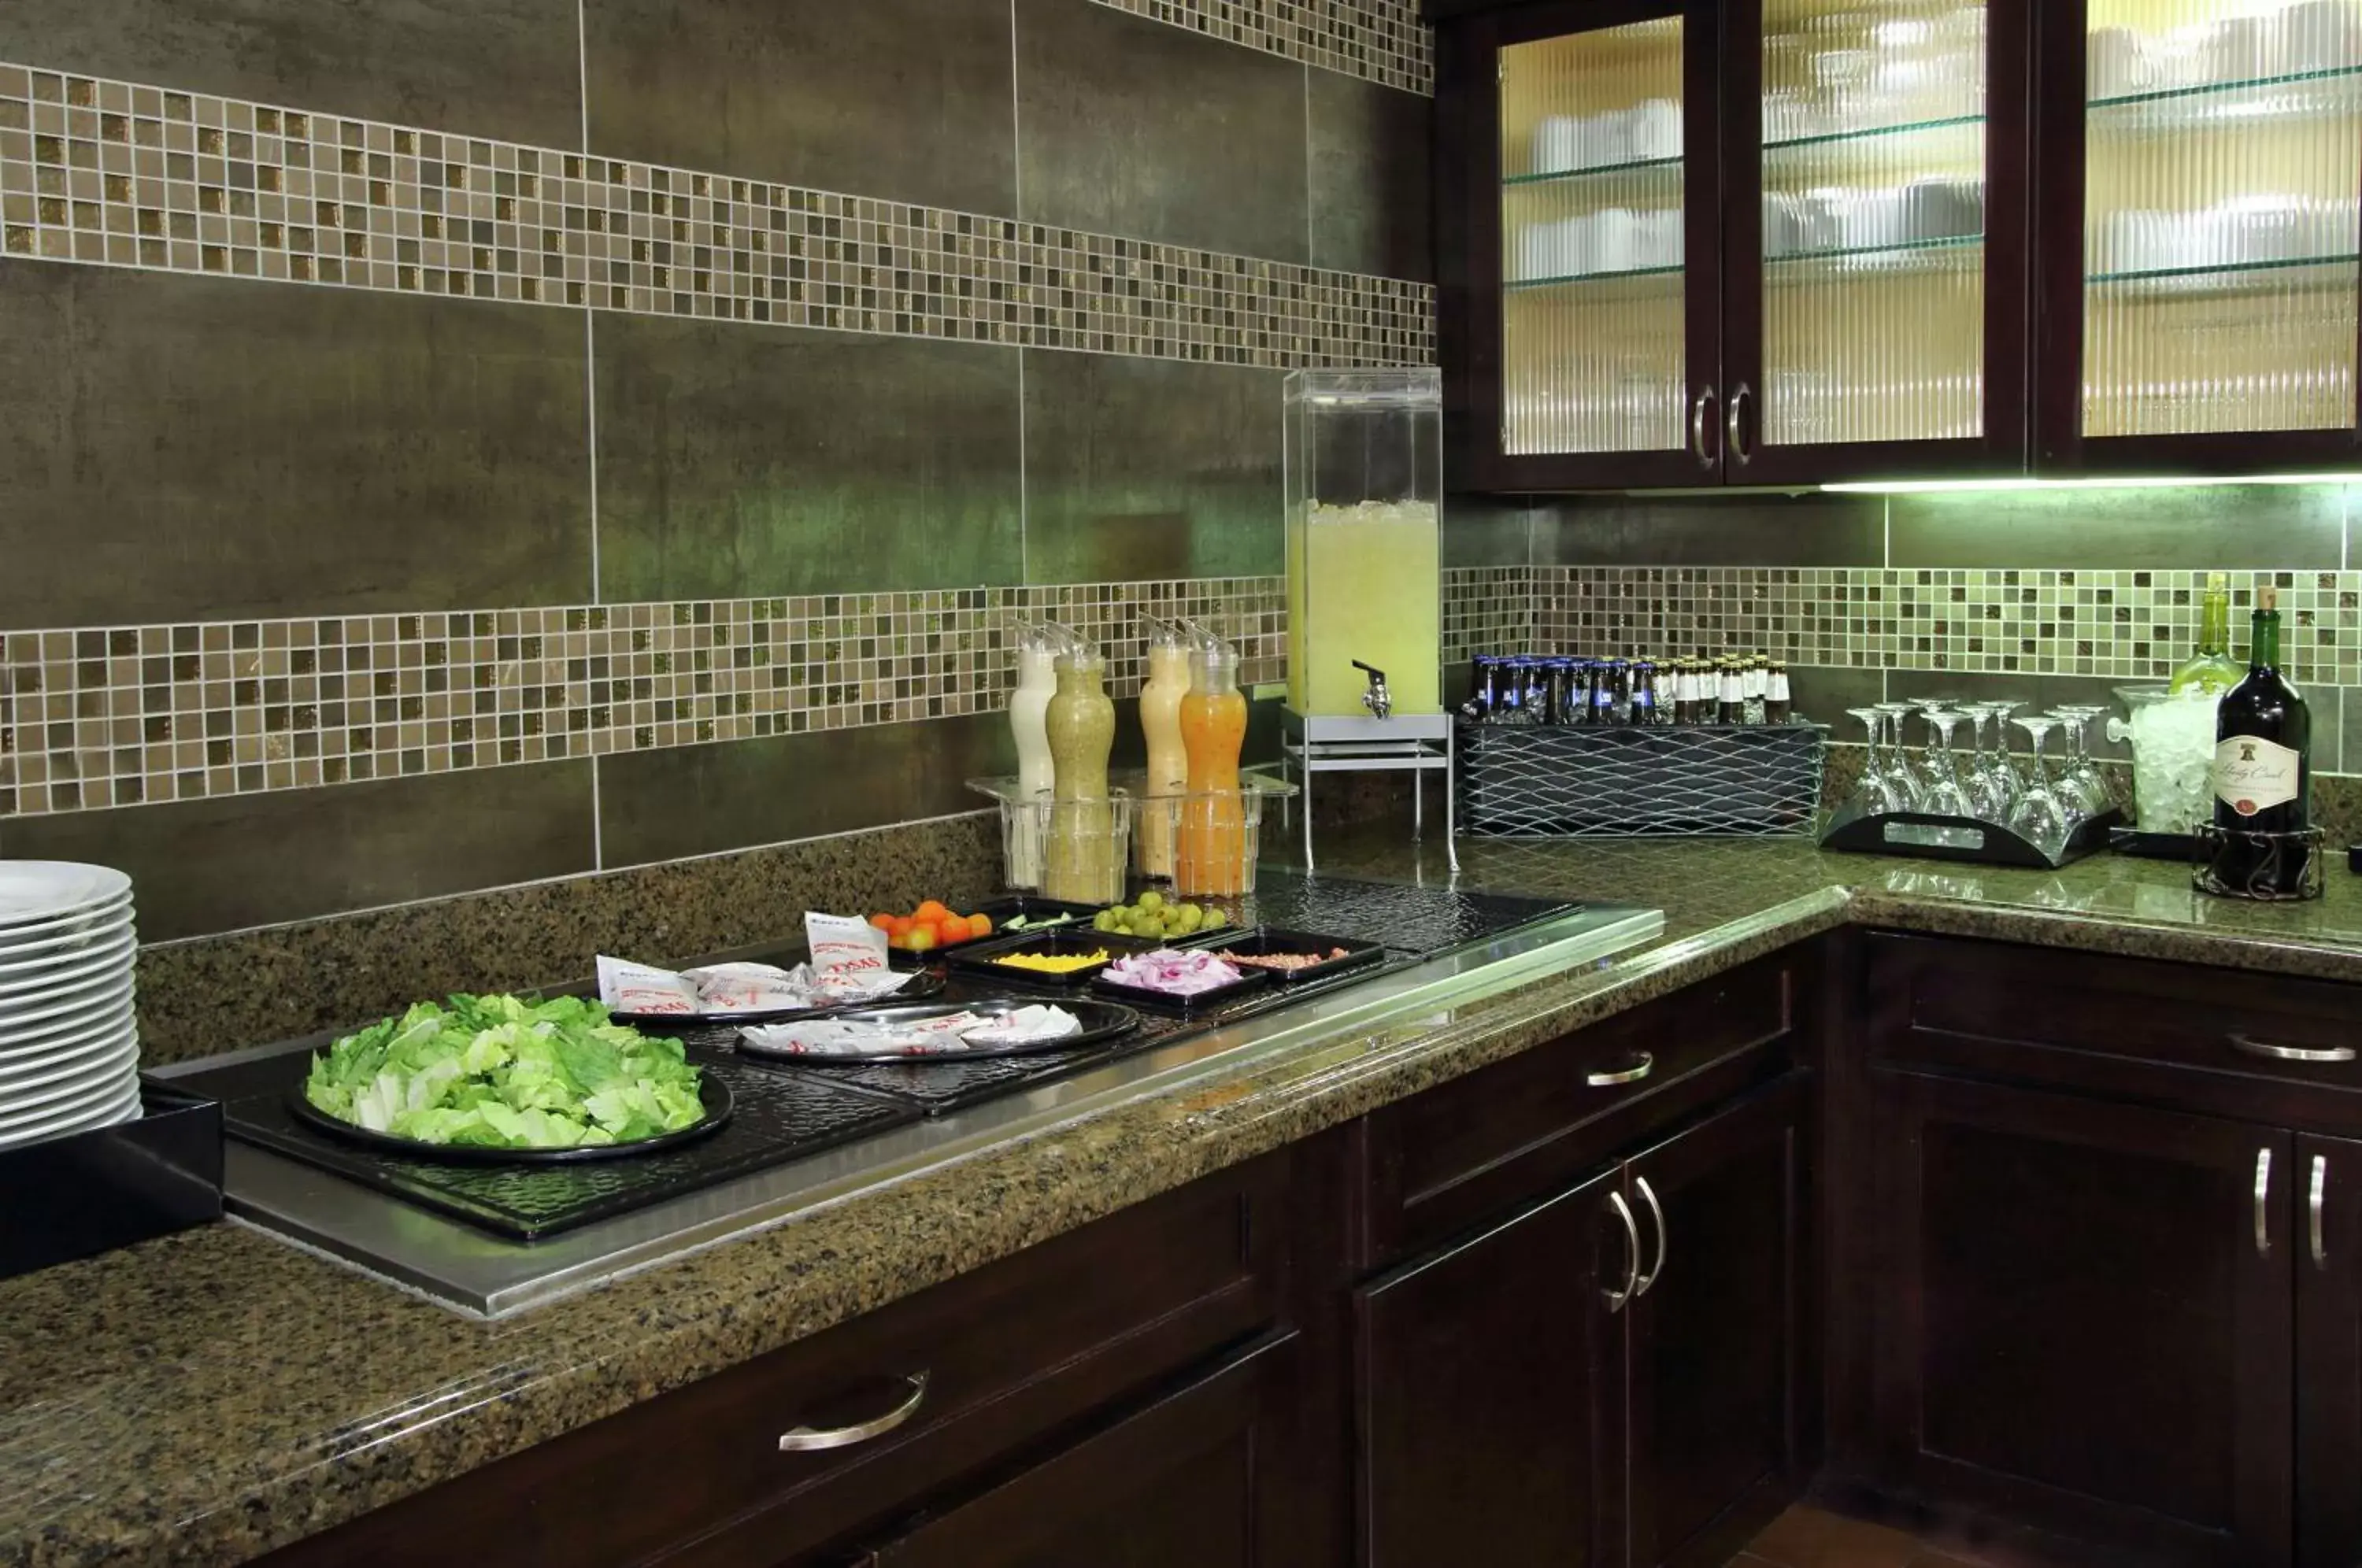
69	1044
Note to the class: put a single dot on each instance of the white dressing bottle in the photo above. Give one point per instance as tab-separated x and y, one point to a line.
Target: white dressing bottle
1029	706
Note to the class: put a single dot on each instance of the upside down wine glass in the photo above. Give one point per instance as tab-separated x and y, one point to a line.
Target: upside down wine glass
2039	815
1944	795
1874	793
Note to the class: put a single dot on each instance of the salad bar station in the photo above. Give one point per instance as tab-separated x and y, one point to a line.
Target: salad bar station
497	1152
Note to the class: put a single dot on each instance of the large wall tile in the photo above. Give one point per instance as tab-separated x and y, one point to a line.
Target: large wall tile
1486	531
1812	530
736	461
1369	177
2289	527
210	866
180	448
661	805
905	99
1150	469
498	68
1131	126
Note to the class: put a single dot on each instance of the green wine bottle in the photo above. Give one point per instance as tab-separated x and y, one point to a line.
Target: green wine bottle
2211	669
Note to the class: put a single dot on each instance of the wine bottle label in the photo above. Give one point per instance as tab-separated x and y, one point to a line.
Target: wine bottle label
2251	773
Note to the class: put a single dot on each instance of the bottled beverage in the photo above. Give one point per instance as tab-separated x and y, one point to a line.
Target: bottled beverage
1779	705
1485	695
2262	778
1731	695
1644	693
1211	855
2211	668
1753	686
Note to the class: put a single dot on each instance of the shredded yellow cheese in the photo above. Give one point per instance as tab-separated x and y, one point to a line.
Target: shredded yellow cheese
1053	963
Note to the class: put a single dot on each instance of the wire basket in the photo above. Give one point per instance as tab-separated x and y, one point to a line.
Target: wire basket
1739	781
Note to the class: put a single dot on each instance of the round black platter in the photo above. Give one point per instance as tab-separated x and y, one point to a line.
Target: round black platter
1100	1021
710	1090
922	985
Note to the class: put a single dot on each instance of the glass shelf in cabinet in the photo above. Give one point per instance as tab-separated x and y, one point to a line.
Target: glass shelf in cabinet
1908	254
1832	139
1592	277
1593	172
2222	270
2210	89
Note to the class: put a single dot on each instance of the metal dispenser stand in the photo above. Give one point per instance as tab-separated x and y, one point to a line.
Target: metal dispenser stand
1418	744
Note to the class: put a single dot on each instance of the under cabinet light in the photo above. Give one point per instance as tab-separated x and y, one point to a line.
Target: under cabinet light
1938	487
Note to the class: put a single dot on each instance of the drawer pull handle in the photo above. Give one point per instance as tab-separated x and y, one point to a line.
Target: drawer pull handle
1664	1238
2318	1200
2272	1052
1643	1064
1617	1299
2263	1203
809	1440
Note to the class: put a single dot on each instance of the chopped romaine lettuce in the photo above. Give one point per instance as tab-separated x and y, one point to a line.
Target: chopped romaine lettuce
501	1072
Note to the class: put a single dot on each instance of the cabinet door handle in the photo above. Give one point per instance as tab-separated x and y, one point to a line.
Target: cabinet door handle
1737	426
812	1439
1617	1299
2263	1203
2272	1052
2314	1205
1701	416
1643	1064
1664	1238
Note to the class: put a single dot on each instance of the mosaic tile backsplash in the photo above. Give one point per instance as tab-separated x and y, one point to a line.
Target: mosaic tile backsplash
115	174
1382	40
2126	626
124	716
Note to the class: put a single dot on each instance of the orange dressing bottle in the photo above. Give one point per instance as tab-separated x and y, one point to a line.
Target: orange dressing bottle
1212	858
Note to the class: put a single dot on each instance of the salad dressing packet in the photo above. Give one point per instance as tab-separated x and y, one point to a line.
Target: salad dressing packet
631	988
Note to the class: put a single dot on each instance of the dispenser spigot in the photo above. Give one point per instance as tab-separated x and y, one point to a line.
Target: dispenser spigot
1375	697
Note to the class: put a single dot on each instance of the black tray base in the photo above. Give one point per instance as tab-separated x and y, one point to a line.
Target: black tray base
91	1192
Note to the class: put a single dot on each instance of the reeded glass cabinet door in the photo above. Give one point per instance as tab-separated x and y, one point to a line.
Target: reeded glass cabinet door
2222	163
1605	336
1887	150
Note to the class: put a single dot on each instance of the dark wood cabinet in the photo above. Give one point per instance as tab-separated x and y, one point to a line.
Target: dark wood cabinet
1492	1377
1690	243
1614	1376
1189	1481
2326	1244
2085	1317
1721	1343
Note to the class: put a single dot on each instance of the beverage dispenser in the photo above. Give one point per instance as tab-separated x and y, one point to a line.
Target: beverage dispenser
1364	493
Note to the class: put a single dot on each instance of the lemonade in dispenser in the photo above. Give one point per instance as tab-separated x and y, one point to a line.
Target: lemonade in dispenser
1365	542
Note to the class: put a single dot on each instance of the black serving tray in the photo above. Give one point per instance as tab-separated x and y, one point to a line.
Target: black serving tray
1100	1021
711	1091
1186	1007
2132	841
1264	939
982	961
1933	837
88	1193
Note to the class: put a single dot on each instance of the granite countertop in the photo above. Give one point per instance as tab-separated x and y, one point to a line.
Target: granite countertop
204	1398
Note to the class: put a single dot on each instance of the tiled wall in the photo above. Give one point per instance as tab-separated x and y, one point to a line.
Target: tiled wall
2046	596
443	446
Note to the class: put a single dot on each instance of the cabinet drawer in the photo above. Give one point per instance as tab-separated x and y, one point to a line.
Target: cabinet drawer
2218	1040
1006	1354
1460	1154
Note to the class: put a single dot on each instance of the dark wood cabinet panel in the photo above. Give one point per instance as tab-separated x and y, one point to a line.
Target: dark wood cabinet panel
1008	1352
2084	1315
1719	1344
2326	1194
1445	1161
2279	1052
1186	1482
1491	1379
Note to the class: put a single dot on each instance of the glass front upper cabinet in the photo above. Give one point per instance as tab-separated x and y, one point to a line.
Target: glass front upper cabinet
1594	316
2220	165
1877	327
1744	242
